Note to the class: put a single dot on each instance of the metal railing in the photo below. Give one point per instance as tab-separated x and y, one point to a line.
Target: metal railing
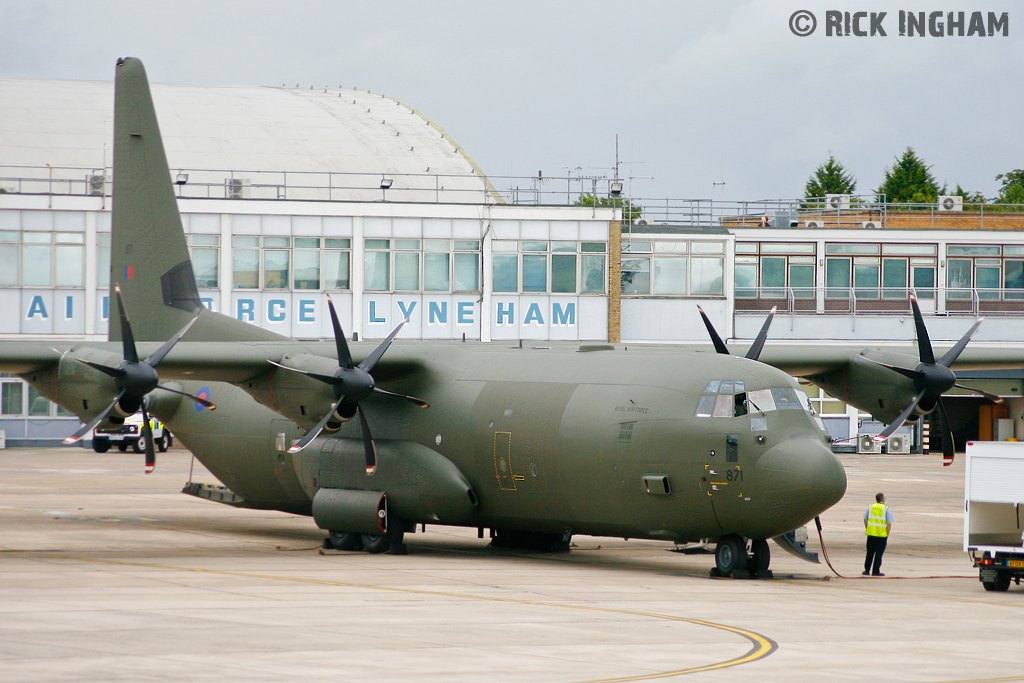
859	300
641	213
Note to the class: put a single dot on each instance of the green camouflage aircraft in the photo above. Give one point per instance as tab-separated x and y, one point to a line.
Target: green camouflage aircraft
535	445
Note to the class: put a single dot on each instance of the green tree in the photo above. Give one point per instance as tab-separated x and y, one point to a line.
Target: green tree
1012	190
630	212
830	178
909	180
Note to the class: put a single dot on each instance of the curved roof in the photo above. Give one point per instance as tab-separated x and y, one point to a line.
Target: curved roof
323	143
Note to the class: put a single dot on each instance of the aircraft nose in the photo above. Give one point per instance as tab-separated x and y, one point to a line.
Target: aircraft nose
802	478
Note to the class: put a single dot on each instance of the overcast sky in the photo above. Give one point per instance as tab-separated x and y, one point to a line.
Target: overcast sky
698	92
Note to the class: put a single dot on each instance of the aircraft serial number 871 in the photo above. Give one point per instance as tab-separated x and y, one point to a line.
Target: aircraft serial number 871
371	440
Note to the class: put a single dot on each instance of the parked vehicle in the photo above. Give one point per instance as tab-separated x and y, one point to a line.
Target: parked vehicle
993	493
130	434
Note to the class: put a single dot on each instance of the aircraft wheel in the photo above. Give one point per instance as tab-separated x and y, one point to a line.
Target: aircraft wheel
730	554
100	445
343	540
123	447
760	555
383	543
1001	583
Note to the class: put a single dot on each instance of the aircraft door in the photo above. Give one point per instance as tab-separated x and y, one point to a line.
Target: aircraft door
722	479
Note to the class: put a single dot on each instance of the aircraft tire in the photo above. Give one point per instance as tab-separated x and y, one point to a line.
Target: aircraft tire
730	555
383	543
1001	583
344	540
100	445
760	556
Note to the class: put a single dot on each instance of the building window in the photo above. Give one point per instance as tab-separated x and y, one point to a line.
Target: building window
337	259
994	272
780	268
42	259
555	267
880	271
674	268
205	260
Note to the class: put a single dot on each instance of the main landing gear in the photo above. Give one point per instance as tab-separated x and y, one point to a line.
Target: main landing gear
390	542
733	558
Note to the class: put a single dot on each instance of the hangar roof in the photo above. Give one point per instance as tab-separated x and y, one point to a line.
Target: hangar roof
248	131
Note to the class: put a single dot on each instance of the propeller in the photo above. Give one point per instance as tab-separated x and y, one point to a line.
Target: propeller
351	383
755	348
134	379
931	379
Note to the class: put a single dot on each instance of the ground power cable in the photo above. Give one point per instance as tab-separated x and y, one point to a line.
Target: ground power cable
824	552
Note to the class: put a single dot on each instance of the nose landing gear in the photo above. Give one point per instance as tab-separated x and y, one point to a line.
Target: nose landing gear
733	558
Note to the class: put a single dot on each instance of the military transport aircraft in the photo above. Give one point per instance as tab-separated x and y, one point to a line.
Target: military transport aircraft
534	445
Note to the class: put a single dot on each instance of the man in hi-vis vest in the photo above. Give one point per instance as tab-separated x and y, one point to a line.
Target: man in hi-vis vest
877	525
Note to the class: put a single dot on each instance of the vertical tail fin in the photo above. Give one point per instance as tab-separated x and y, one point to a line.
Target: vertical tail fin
149	257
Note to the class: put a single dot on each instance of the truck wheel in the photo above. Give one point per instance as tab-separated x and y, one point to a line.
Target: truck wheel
122	447
163	443
1001	583
139	445
100	445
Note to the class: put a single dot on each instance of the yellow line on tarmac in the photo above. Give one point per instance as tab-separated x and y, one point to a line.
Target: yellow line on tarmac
761	646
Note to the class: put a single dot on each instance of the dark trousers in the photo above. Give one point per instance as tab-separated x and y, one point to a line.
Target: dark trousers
876	546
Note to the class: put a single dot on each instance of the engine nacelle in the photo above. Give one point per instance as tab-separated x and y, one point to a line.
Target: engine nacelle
875	389
301	399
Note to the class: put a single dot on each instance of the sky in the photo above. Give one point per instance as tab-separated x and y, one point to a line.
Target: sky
708	99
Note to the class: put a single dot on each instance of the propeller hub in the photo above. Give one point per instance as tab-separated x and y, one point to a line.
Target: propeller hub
935	380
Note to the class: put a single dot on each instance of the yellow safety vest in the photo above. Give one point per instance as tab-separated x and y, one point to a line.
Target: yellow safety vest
877	526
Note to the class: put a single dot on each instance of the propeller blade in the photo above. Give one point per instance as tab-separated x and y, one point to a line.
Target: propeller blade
924	344
105	369
755	348
127	338
990	397
898	422
315	431
147	437
715	339
95	421
948	446
370	361
159	354
368	445
906	372
420	402
344	355
198	399
326	379
950	357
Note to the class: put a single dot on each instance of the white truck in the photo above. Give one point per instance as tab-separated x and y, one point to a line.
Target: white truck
993	494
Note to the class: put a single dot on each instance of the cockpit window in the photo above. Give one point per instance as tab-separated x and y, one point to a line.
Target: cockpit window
723	398
786	399
727	398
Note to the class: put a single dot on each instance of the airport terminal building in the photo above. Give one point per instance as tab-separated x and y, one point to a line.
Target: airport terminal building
288	194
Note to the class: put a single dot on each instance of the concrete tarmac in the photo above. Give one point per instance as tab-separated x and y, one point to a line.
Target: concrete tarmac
109	574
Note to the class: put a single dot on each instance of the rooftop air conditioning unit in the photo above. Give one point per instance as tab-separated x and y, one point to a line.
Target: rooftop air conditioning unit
642	221
96	182
837	202
871	225
237	188
866	444
951	202
897	443
814	223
